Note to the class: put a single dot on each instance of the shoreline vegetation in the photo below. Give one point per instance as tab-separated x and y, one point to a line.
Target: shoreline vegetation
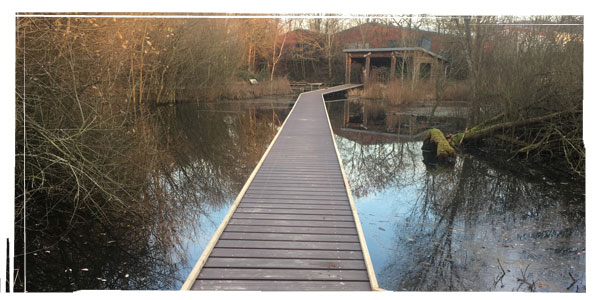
401	92
522	90
95	95
92	87
240	90
551	135
93	147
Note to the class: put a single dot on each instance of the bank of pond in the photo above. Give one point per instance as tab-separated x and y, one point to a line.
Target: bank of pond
473	226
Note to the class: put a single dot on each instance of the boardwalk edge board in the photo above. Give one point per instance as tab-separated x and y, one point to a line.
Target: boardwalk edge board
361	237
189	282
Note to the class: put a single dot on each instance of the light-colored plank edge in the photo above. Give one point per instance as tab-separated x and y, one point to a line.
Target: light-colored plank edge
189	282
361	237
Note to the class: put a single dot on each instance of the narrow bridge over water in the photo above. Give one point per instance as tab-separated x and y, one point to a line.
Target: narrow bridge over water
294	225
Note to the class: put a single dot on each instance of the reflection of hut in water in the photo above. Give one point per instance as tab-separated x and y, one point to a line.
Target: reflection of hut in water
406	123
411	121
363	113
365	137
372	115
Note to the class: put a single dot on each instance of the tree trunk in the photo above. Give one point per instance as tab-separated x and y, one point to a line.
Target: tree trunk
276	60
481	131
435	142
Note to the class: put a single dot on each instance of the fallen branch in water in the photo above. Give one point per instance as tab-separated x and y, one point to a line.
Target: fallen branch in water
501	268
573	283
572	277
555	137
434	141
500	276
482	130
531	285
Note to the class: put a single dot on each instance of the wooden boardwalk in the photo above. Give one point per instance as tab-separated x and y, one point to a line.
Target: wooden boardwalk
293	226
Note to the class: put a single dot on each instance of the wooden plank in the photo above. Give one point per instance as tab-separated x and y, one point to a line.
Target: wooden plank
263	189
282	182
292	174
286	223
330	212
327	179
285	263
287	253
306	192
280	285
302	172
296	194
342	206
294	182
306	197
303	169
288	237
296	186
288	164
302	165
287	245
294	201
283	274
287	229
240	215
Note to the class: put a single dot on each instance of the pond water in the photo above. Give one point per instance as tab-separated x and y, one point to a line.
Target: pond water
204	154
477	226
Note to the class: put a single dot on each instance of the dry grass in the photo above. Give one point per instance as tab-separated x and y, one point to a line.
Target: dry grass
245	90
405	91
399	91
456	91
354	93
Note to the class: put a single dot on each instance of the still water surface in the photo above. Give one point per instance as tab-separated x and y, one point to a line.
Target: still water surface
477	226
204	154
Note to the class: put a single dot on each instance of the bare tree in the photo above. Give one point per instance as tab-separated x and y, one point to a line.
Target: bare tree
279	27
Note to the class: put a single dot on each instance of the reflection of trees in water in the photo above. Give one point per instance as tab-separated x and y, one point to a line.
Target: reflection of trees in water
463	221
432	221
205	165
375	167
192	162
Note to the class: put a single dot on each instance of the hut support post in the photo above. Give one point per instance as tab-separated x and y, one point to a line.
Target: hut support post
393	67
367	68
348	67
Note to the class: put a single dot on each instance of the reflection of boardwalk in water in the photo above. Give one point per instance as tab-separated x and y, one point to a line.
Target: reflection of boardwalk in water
293	225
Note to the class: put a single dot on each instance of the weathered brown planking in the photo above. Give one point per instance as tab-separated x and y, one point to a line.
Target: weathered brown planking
241	215
288	229
294	223
287	253
294	226
294	201
262	285
285	263
292	245
295	205
328	212
227	235
283	274
294	196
